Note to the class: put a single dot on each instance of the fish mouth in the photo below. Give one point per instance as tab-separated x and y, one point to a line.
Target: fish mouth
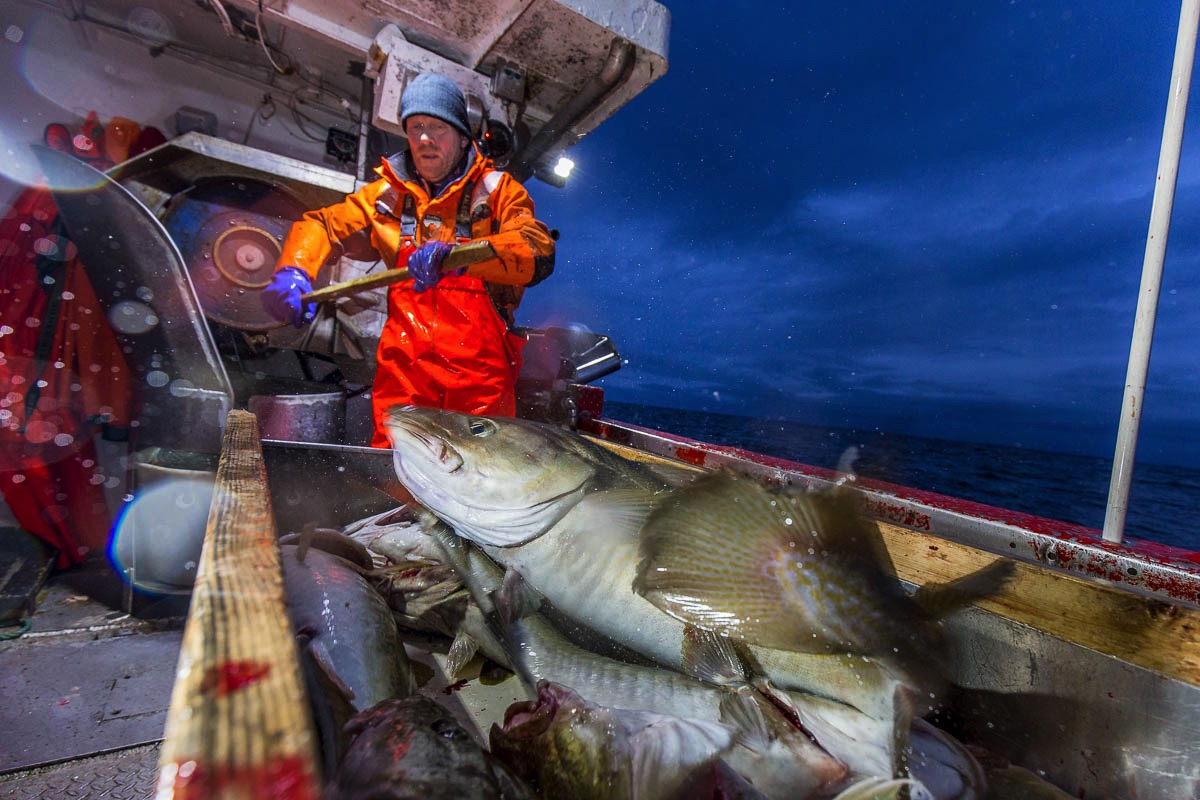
449	459
531	718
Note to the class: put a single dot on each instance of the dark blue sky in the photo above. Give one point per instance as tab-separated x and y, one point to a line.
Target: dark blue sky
923	218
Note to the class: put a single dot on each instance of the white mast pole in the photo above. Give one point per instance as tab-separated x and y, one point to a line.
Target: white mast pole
1152	268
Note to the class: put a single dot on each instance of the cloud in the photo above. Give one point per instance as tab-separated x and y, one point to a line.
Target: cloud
872	212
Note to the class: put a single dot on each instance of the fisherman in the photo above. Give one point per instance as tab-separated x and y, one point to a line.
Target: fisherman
448	341
63	375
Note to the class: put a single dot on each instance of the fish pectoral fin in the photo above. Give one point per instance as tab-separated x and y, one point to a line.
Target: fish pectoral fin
902	719
711	657
727	554
740	709
327	675
515	599
943	764
618	512
665	745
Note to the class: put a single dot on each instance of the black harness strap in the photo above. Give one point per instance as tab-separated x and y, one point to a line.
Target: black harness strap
462	222
53	274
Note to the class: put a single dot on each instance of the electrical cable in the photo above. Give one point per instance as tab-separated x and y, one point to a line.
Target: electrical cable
262	40
226	22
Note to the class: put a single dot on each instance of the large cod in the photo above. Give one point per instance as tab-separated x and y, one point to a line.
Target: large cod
583	527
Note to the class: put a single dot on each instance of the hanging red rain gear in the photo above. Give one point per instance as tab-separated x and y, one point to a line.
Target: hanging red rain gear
63	376
453	346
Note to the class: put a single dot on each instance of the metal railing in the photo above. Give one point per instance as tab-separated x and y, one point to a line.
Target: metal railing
1152	269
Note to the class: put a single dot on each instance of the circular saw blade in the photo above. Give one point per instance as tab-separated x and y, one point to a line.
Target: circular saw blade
230	231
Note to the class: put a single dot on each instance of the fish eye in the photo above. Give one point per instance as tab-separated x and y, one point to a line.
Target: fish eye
448	729
481	427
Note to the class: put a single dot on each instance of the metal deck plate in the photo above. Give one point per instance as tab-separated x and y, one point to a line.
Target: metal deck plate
124	775
67	698
86	679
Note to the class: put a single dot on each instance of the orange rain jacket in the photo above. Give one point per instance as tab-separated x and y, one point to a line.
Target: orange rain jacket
453	346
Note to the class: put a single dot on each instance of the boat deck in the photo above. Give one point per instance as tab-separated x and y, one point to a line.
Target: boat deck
86	688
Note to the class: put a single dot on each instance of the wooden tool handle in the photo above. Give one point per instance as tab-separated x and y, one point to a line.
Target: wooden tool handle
463	255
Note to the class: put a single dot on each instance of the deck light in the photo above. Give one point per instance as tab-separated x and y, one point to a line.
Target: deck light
563	168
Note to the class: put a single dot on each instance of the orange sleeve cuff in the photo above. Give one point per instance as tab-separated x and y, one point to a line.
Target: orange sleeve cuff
306	246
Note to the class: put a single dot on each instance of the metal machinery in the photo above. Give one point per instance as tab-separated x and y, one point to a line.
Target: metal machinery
199	221
179	241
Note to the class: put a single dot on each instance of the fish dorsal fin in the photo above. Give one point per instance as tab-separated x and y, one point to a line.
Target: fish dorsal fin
330	541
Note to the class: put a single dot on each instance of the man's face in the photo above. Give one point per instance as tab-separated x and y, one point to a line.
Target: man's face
435	146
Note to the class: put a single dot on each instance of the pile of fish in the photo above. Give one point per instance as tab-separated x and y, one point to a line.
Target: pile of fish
678	634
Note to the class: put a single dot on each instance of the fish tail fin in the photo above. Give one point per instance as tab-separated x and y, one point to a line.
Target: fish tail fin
941	599
462	650
495	603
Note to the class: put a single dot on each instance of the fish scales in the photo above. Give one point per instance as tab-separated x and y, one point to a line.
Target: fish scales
472	472
544	653
592	532
585	570
766	745
351	651
581	547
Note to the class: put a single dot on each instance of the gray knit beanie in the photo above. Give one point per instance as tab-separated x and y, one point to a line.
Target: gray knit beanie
435	96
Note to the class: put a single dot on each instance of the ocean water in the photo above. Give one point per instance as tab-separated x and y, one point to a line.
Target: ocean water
1061	486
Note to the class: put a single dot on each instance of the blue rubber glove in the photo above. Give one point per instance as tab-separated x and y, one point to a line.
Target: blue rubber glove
281	298
425	264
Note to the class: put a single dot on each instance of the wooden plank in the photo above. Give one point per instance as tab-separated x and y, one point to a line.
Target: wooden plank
239	725
642	456
1140	630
